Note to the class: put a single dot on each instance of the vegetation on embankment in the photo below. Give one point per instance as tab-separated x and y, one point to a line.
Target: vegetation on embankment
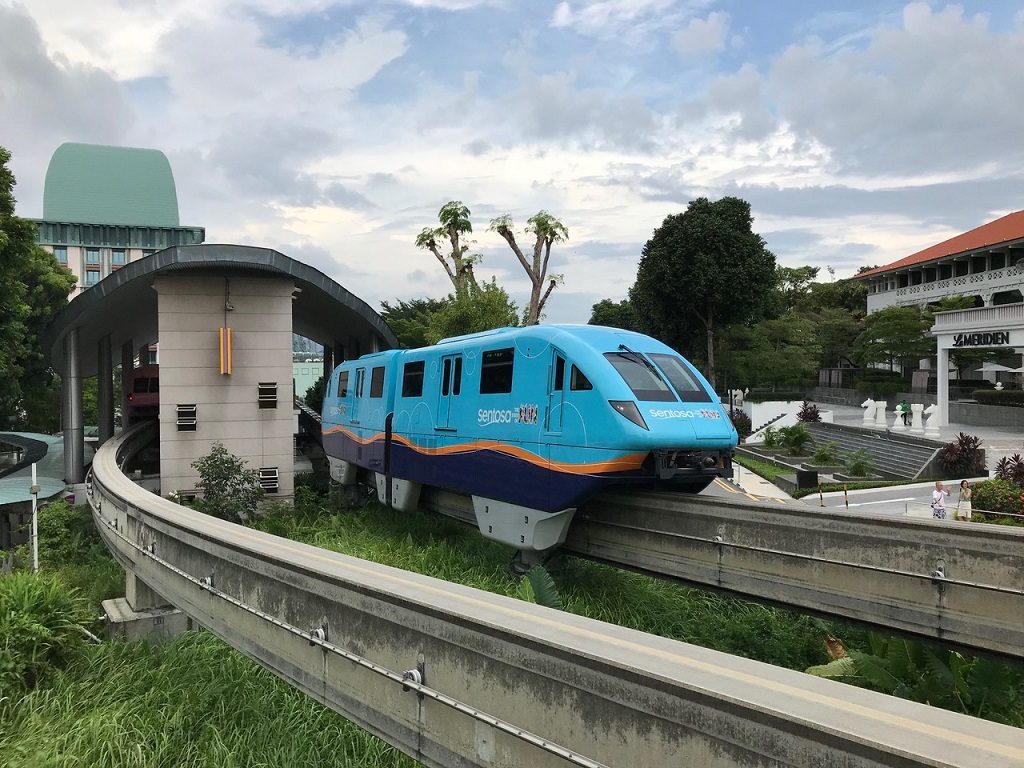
197	702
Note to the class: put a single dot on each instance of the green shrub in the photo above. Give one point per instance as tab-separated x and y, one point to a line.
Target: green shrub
230	490
41	628
1013	398
859	463
772	438
795	439
998	496
826	454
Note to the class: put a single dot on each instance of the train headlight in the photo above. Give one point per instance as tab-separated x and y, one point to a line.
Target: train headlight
628	409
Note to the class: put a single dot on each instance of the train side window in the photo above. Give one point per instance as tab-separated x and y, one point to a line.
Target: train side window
343	384
496	371
446	377
360	376
457	377
682	378
412	379
559	382
578	382
377	382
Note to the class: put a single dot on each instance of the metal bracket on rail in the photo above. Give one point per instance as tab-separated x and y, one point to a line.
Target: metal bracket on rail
416	676
149	549
939	577
318	635
719	542
206	582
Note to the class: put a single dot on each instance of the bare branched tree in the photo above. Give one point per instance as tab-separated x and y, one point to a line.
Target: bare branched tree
455	224
548	231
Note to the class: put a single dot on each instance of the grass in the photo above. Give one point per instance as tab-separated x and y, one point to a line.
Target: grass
197	703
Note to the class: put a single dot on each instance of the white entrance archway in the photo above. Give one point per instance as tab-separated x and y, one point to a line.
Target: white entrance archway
999	326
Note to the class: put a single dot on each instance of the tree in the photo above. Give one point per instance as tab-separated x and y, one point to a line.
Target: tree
33	288
481	310
774	353
230	490
608	313
548	230
455	224
894	335
705	265
410	320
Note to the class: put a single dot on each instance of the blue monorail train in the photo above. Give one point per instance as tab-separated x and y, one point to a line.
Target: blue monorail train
531	422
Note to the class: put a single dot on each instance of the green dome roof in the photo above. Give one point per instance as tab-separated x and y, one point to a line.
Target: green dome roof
93	184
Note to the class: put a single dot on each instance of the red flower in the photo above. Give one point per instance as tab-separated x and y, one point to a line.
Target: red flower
999	507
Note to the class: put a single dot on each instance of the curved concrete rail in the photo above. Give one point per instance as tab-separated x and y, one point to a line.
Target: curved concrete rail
456	677
961	584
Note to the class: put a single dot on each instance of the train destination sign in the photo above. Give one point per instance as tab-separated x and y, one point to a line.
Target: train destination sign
993	339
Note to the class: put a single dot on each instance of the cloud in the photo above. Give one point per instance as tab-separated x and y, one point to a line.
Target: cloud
938	94
702	36
599	15
46	101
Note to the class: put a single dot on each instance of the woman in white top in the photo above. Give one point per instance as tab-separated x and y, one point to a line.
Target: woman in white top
963	506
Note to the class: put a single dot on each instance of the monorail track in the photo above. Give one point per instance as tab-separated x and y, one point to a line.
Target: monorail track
959	586
497	682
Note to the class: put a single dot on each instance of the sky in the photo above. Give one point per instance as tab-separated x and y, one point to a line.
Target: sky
334	130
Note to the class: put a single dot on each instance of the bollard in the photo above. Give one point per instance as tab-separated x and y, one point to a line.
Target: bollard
821	496
846	498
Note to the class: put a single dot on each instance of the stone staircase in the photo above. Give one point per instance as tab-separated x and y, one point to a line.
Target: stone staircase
897	456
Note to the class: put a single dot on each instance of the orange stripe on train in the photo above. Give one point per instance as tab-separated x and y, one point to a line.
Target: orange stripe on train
619	464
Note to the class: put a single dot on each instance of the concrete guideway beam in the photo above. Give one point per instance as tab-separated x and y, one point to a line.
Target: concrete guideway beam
458	677
958	584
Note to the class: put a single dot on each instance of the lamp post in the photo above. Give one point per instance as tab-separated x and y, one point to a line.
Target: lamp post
34	490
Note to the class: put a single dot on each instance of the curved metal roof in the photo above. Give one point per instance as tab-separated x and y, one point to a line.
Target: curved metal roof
124	304
126	186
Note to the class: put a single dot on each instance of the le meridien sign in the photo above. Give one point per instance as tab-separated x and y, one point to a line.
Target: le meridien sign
994	339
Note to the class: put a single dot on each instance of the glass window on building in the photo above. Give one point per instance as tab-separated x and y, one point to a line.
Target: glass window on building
92	277
92	256
60	252
118	257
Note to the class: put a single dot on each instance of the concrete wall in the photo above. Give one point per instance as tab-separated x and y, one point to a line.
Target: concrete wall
979	415
191	312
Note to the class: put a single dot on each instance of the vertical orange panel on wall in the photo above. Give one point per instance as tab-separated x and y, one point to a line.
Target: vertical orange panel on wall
225	350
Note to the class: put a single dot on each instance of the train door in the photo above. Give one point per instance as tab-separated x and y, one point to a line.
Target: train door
357	400
451	385
556	393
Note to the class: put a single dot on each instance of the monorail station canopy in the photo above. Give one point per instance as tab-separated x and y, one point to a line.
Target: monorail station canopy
185	293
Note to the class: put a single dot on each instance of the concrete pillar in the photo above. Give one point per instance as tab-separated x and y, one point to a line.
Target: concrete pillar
71	411
140	596
986	299
105	391
328	362
942	389
127	366
144	354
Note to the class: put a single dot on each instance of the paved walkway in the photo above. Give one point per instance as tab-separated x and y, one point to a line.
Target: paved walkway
997	442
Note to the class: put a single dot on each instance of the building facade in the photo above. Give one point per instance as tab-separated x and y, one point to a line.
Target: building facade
986	263
105	207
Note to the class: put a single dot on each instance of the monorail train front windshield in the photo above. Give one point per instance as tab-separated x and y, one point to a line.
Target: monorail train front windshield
683	379
641	377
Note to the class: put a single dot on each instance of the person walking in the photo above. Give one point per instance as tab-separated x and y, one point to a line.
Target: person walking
904	411
963	505
939	501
